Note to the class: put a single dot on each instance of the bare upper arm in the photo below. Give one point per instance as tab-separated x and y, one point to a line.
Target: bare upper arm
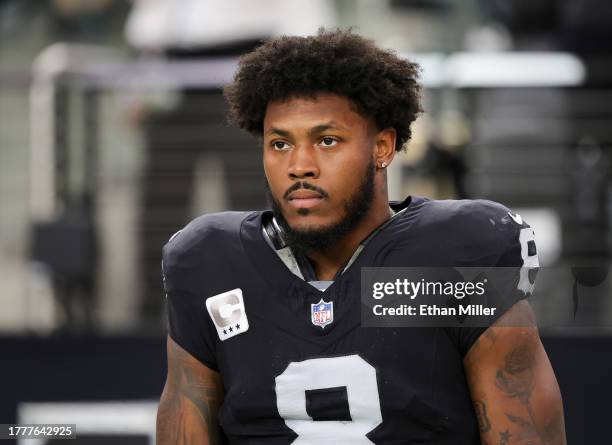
187	412
513	386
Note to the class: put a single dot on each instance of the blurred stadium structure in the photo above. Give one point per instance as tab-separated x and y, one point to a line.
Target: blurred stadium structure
113	135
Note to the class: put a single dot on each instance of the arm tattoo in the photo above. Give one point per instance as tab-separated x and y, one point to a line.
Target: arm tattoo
481	415
514	391
516	379
187	412
504	437
527	429
201	395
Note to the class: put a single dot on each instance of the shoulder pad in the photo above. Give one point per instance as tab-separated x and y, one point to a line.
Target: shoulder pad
210	232
480	228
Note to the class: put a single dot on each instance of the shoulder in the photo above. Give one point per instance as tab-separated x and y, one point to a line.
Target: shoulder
465	231
473	218
463	212
204	234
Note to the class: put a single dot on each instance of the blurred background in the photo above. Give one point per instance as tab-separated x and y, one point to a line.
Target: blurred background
113	136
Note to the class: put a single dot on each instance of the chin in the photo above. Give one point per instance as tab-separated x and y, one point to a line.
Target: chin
307	222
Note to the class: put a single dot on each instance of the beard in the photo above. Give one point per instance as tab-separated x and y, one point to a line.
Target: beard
322	238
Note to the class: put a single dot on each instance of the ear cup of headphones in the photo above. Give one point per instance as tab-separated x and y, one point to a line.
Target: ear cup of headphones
274	232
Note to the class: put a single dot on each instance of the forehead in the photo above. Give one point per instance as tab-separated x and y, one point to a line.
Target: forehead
296	113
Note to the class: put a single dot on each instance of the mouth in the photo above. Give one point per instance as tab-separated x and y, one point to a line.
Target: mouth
304	199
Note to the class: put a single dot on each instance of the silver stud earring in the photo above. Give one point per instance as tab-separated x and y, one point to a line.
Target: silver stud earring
383	165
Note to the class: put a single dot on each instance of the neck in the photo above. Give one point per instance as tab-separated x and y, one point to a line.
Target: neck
327	263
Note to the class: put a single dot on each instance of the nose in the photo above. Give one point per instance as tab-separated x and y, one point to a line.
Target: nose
303	163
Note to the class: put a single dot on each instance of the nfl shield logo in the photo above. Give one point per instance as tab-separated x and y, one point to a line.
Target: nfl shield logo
322	313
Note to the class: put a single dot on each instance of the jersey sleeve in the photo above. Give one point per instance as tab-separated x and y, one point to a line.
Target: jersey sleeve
188	323
513	272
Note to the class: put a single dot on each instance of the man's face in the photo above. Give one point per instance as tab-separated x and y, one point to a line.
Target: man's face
318	159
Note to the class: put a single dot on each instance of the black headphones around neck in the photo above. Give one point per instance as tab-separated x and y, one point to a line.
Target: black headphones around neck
274	231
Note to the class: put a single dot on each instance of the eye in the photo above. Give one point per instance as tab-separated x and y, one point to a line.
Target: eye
280	145
328	141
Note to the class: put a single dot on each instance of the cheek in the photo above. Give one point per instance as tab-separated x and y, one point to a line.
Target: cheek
346	179
268	168
274	176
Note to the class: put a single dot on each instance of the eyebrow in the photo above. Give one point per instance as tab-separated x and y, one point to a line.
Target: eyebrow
313	131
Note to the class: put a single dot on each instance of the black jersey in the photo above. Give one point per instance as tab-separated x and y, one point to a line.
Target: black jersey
235	306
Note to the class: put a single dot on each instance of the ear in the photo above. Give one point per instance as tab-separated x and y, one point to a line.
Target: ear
385	147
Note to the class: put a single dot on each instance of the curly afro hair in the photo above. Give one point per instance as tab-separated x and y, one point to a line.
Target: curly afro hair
377	82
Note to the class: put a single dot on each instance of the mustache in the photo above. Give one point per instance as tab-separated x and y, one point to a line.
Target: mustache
306	186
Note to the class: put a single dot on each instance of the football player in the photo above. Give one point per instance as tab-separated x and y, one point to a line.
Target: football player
265	339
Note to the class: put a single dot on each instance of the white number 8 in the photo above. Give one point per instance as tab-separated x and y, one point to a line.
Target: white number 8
351	372
530	262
